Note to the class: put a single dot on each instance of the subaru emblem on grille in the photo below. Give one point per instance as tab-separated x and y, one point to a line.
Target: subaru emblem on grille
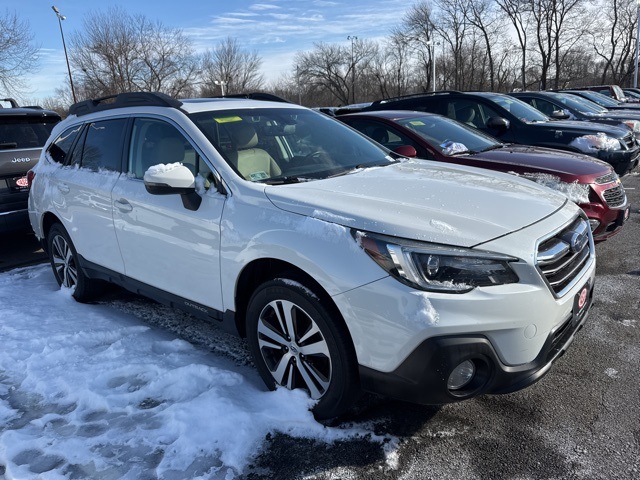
578	240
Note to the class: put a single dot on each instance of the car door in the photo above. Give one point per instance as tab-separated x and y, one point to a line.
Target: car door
165	245
91	157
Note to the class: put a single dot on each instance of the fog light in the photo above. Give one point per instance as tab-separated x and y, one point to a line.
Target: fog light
461	375
594	224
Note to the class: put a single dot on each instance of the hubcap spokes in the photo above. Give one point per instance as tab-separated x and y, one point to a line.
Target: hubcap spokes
63	262
293	348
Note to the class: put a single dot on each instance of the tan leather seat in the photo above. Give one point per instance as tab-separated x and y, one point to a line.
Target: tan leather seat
253	163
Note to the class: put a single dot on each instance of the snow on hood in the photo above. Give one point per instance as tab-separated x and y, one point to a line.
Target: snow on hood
423	200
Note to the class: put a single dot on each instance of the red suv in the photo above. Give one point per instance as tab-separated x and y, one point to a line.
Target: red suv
591	183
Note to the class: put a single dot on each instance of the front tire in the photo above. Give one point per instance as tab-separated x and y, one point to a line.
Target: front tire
299	342
65	265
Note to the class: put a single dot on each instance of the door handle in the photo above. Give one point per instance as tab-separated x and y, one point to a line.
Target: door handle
123	205
63	188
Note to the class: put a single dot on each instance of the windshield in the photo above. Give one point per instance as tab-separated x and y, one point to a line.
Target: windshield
600	99
520	109
283	145
441	132
583	106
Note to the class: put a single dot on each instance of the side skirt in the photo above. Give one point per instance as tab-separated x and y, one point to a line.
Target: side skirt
225	319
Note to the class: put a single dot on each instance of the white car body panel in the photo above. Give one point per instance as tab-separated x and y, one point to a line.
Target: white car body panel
161	241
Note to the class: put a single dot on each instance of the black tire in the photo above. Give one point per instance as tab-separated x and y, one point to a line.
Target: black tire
288	326
66	268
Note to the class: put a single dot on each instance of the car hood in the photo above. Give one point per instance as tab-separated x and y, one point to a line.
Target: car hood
569	166
584	128
422	200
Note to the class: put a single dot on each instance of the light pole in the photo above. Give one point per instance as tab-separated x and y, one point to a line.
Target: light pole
635	74
222	83
353	69
432	44
64	46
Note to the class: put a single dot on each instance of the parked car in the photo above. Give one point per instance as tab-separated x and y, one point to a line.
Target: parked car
513	121
345	268
23	132
604	101
563	106
632	95
613	91
590	183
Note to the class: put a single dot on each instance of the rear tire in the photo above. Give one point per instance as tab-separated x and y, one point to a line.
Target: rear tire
299	342
66	268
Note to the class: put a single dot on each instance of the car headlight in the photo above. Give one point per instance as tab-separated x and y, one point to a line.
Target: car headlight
434	267
599	141
633	125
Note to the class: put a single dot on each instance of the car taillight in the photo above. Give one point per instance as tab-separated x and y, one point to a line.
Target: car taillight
30	176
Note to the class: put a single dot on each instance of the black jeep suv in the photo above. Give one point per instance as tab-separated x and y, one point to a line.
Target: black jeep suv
23	132
514	121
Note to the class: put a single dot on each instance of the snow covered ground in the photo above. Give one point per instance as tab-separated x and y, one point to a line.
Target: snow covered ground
94	391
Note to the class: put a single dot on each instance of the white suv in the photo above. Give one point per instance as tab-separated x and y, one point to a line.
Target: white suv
346	267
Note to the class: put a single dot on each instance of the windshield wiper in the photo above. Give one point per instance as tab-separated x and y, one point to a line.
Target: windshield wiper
285	180
492	147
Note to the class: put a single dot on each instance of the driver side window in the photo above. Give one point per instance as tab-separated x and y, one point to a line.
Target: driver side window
155	142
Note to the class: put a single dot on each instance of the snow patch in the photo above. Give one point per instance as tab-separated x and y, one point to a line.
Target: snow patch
591	143
425	314
162	168
611	372
90	391
574	191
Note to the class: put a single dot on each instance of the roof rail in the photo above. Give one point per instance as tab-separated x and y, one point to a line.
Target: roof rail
122	100
257	96
414	95
13	103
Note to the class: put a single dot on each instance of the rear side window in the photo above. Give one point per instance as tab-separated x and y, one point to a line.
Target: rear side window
102	148
60	149
25	132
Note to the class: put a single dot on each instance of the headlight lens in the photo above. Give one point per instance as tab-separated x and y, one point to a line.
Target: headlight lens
600	141
434	267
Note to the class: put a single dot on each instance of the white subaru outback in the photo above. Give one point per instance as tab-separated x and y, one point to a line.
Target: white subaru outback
346	266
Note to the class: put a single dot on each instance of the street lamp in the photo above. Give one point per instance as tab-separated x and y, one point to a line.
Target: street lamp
222	83
64	45
353	69
635	74
432	44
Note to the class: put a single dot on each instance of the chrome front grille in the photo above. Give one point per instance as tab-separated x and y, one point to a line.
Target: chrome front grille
630	141
615	196
562	257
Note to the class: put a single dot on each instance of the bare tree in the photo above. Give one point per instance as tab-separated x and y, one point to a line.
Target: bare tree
332	68
517	13
557	30
613	39
418	29
18	55
119	52
236	70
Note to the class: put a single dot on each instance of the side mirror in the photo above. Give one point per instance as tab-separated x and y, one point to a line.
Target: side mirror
559	115
406	151
498	123
173	179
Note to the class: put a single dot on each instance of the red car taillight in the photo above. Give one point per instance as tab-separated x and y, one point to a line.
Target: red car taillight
30	176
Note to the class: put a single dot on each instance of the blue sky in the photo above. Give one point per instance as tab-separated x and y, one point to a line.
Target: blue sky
275	29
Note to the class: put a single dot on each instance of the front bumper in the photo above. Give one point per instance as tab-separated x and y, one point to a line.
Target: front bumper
422	377
623	162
